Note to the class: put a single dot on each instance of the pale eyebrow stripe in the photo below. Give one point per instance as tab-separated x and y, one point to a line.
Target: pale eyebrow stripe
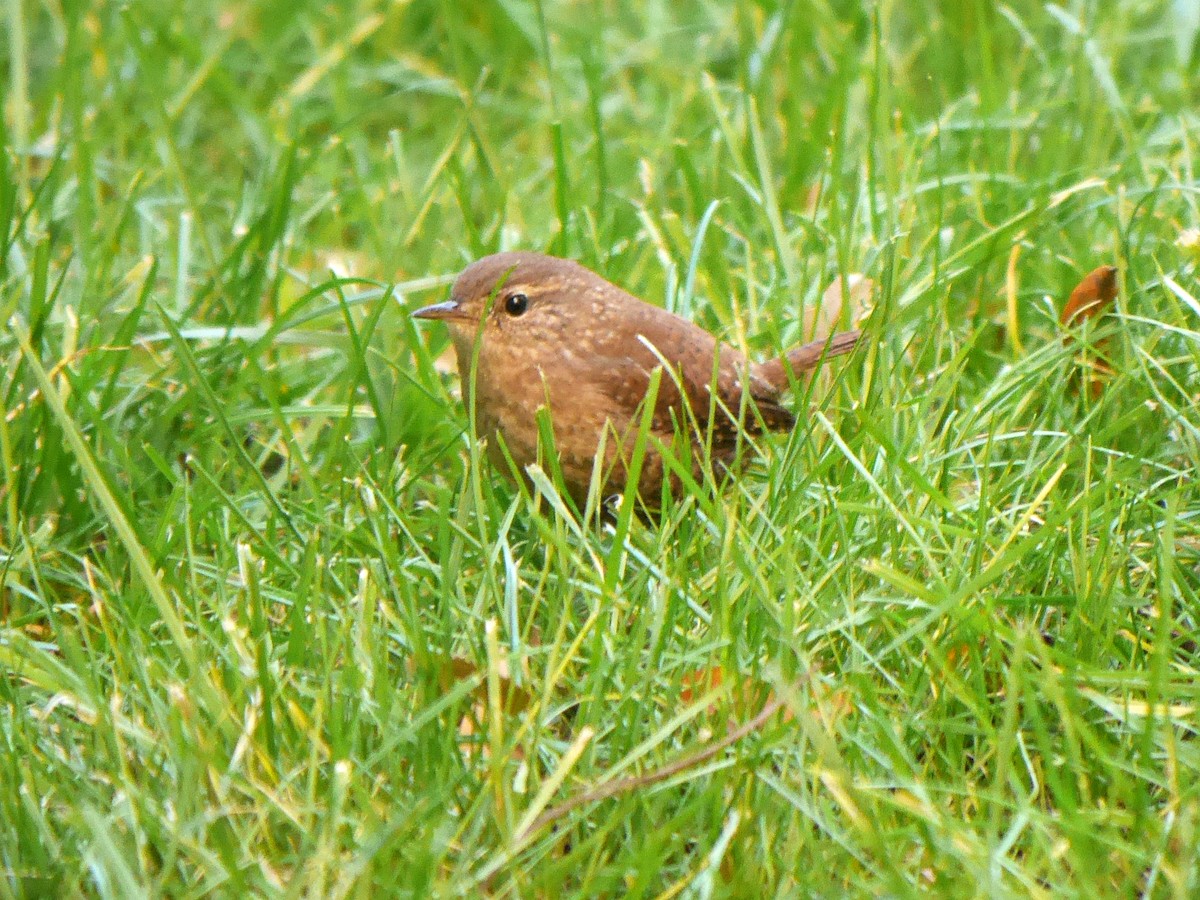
533	289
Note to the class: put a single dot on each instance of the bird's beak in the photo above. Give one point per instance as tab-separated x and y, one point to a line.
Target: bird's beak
447	309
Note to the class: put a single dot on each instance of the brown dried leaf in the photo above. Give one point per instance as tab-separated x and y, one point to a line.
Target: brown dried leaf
830	706
827	317
699	682
1092	296
453	669
513	699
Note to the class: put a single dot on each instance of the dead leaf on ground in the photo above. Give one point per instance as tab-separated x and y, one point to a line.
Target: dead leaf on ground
830	705
514	699
826	318
1091	298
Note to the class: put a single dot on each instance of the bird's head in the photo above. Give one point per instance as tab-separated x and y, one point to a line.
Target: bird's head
517	301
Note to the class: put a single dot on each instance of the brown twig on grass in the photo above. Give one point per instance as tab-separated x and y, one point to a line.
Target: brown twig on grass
634	782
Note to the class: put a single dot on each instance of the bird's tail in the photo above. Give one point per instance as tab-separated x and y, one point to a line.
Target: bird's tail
807	356
800	360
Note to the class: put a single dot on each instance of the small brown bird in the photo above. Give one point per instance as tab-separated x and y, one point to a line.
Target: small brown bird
534	331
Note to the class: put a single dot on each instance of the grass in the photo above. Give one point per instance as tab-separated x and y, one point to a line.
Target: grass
270	626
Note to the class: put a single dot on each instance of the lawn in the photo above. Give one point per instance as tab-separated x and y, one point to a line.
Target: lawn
270	625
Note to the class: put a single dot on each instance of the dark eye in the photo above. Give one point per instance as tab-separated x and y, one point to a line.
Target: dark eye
515	304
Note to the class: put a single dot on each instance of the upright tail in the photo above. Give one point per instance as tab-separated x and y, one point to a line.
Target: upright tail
807	357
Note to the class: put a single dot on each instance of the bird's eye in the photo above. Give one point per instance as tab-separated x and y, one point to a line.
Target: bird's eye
516	304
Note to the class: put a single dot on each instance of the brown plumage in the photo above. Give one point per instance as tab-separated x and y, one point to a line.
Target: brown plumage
558	335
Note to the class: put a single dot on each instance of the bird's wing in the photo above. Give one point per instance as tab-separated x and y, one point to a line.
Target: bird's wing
690	355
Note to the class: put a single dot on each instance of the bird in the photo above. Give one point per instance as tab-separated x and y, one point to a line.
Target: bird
532	331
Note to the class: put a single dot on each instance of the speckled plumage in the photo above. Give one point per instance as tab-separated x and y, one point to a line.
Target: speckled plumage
585	349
